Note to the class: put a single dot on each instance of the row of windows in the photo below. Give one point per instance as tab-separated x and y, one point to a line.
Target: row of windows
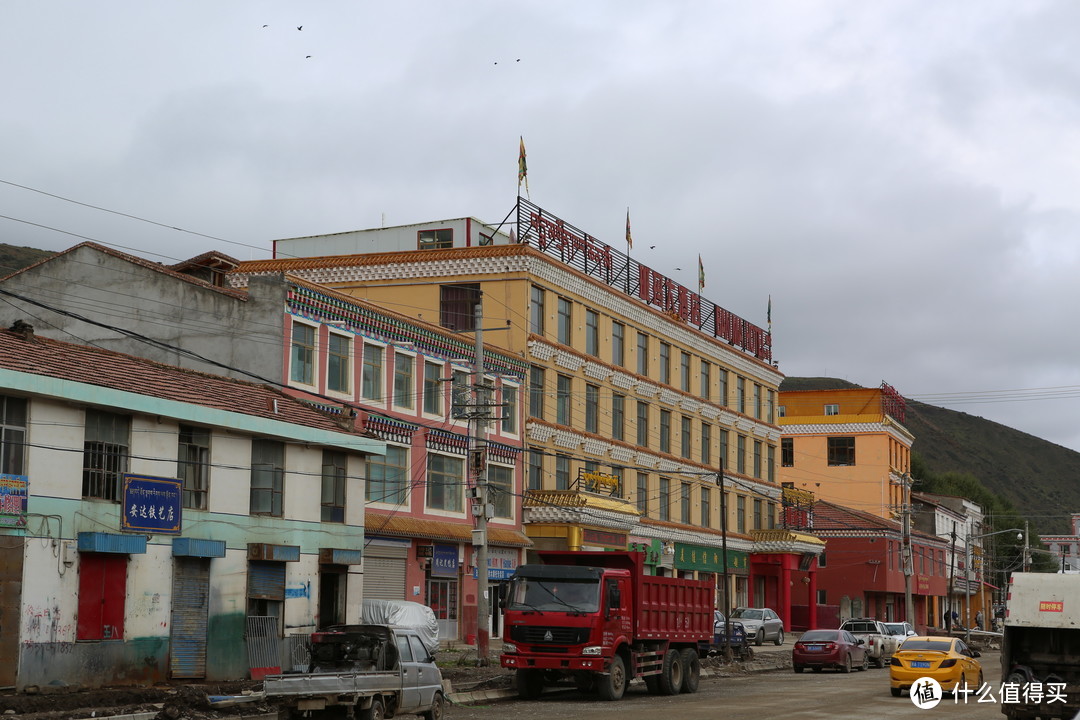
712	380
649	427
433	393
654	495
106	456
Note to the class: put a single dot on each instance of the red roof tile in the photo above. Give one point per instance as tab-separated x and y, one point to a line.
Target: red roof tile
105	368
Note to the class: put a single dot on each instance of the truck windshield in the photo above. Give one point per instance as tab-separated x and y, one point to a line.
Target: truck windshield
554	594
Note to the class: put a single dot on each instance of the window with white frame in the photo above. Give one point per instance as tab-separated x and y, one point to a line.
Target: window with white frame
371	384
832	409
388	476
433	388
339	363
501	489
509	408
302	357
445	482
404	387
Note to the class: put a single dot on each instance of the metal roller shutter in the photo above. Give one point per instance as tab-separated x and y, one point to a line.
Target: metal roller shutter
190	603
384	572
266	580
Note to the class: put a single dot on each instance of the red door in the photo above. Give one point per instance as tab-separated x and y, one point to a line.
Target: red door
102	589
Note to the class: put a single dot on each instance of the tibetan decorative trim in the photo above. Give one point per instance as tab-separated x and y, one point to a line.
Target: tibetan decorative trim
540	433
646	389
506	453
710	412
622	380
596	447
595	370
567	439
691	404
646	460
670	397
541	351
667	466
447	442
568	360
622	454
727	417
387	428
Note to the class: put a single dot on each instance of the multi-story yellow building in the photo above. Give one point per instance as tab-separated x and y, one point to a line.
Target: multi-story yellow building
847	446
642	395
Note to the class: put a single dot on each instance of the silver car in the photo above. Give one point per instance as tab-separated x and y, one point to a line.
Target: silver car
761	624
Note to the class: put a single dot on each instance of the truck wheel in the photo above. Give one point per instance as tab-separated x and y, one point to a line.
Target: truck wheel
613	685
691	664
376	712
438	705
530	683
672	675
879	661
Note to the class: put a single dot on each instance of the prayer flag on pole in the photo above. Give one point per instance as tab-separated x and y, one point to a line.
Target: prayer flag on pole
629	239
700	274
523	171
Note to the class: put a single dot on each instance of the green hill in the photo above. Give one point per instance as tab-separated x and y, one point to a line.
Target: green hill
14	257
1038	477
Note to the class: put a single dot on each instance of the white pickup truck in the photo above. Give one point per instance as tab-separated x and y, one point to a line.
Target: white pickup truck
879	643
368	671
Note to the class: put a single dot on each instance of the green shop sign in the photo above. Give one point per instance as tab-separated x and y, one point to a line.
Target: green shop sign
708	559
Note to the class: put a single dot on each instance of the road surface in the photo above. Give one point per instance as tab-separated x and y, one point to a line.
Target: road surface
758	696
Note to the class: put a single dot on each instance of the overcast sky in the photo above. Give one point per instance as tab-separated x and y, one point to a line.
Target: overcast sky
901	177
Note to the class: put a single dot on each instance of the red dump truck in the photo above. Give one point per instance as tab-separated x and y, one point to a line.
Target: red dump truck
600	620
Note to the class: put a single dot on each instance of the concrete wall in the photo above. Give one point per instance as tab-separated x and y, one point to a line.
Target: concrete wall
111	290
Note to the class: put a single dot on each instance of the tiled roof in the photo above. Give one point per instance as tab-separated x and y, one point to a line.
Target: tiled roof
104	368
376	523
142	262
831	518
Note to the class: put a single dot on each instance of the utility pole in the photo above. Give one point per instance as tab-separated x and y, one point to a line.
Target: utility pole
1027	553
952	578
909	605
723	547
478	427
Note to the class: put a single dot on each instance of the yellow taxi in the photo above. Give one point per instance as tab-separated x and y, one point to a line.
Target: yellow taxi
946	659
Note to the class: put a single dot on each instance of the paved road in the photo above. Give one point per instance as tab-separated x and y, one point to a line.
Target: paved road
758	696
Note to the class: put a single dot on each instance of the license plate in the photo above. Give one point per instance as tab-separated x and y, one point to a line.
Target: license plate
920	663
813	648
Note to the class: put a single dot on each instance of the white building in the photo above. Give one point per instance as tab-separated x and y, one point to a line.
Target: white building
162	523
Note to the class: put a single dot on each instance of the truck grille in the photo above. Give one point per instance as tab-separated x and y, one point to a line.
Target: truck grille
538	635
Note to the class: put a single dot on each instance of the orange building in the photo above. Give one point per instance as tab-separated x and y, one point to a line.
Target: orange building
847	446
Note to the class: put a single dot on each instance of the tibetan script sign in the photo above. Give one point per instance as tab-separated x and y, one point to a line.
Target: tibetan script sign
152	505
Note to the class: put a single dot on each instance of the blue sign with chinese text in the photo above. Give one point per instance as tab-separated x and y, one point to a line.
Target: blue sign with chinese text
152	505
444	560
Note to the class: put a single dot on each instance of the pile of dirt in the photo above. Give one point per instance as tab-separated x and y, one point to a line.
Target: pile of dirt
170	702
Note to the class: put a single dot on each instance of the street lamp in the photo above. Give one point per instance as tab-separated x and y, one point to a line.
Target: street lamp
967	573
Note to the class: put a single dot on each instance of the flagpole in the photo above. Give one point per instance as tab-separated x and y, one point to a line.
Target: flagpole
629	247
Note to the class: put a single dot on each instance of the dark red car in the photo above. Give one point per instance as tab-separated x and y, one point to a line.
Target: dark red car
838	649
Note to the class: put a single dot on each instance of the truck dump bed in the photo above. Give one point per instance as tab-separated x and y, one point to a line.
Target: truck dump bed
664	607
